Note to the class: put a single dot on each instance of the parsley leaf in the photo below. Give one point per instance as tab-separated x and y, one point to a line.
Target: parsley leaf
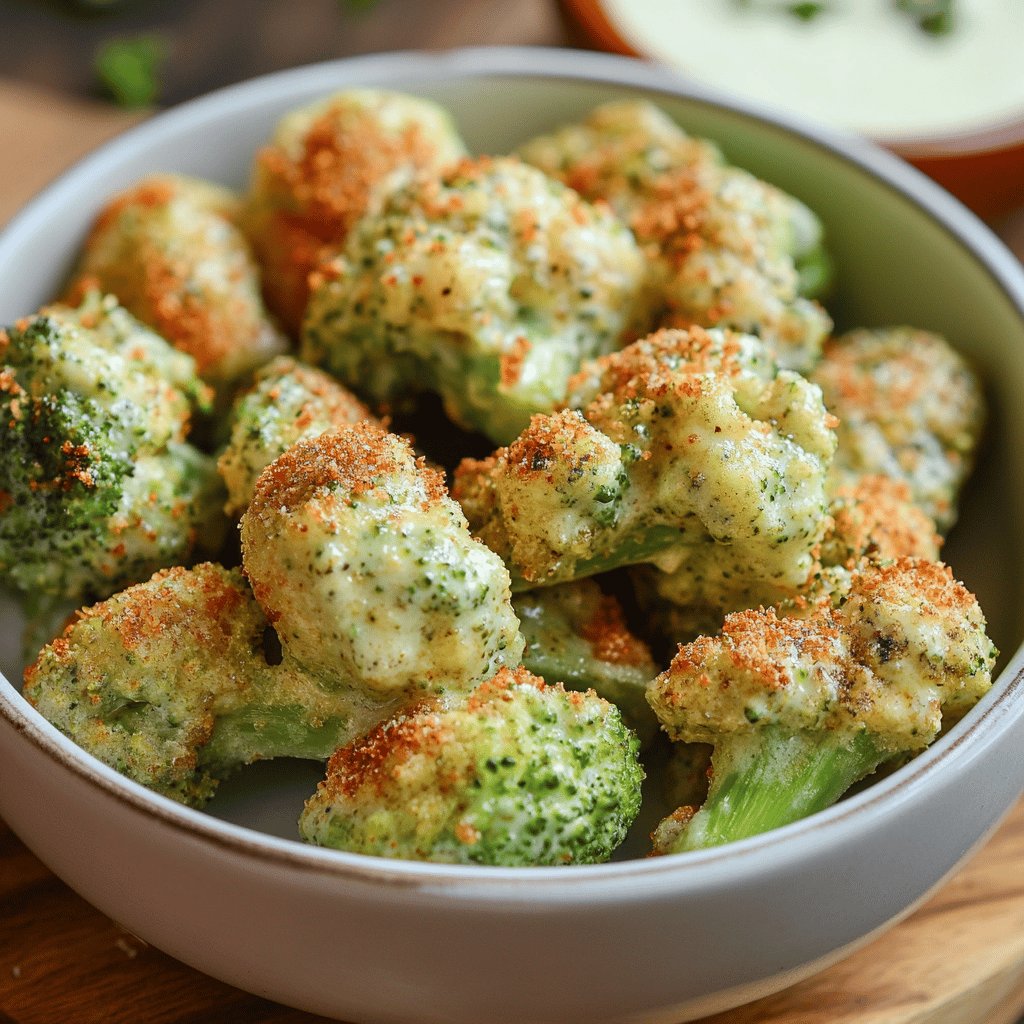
129	69
935	17
808	10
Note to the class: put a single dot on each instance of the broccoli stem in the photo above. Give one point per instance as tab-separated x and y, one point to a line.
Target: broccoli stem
262	732
641	545
472	387
772	777
474	391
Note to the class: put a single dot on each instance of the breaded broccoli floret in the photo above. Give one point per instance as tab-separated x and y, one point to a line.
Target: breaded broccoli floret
800	709
167	683
577	635
691	452
725	249
328	164
909	407
98	486
287	403
518	773
488	286
171	252
367	568
872	522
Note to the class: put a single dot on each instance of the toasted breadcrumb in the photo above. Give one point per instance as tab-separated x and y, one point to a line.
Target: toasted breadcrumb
171	251
327	165
909	408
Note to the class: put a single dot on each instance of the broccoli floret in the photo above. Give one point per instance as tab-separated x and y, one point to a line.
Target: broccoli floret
518	773
725	249
328	164
872	522
691	452
287	403
909	407
377	594
367	568
167	683
799	709
875	520
488	286
98	486
170	250
578	636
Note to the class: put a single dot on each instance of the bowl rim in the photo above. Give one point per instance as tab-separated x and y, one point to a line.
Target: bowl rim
984	725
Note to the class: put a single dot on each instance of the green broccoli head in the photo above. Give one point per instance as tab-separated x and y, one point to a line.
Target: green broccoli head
691	452
170	250
367	568
799	709
909	407
98	486
518	773
724	248
287	403
167	683
488	286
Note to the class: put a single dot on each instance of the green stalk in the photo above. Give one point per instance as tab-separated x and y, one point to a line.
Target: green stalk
472	385
499	414
772	777
639	546
258	733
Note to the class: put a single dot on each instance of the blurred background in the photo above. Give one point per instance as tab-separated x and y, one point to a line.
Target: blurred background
75	72
210	43
111	61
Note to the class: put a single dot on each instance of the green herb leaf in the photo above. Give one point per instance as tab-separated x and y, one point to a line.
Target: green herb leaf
940	24
129	69
808	10
936	17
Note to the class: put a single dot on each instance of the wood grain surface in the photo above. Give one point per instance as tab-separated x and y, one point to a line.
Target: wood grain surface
958	960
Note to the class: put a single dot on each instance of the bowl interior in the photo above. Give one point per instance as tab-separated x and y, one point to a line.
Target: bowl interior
896	263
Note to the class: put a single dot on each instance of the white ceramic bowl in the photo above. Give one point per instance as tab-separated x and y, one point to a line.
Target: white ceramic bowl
641	940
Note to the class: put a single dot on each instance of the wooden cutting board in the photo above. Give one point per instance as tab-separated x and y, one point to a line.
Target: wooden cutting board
958	960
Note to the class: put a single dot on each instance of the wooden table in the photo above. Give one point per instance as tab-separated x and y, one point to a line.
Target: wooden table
958	960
